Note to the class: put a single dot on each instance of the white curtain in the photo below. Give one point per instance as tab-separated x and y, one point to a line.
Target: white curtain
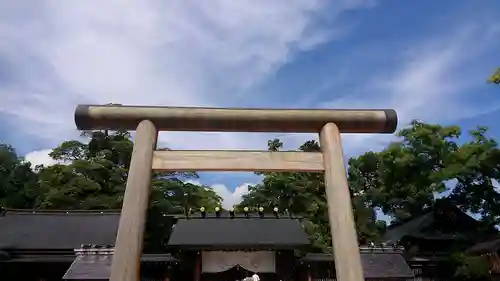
219	261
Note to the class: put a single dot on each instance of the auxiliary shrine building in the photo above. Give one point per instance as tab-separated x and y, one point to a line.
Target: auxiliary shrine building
78	245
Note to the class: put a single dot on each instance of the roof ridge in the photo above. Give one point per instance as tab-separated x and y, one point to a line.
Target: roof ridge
239	218
57	212
409	219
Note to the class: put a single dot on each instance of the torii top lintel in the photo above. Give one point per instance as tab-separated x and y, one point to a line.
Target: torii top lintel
114	117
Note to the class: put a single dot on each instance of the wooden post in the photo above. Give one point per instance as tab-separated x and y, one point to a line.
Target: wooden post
128	246
343	230
197	267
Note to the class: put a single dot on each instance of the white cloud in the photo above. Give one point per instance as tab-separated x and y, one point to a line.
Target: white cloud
429	81
229	198
496	184
148	52
61	53
435	74
40	157
182	53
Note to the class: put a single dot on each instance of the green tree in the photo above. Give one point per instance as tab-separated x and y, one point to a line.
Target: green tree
476	167
303	194
92	176
403	178
468	268
18	183
495	77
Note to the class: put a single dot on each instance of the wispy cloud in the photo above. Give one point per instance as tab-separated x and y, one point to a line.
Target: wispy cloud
56	54
147	52
431	79
40	157
230	196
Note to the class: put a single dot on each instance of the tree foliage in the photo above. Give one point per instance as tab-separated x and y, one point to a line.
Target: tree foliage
495	77
92	176
402	181
18	183
467	268
427	160
303	194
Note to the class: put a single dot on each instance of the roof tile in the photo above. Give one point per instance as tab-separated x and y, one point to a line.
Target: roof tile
238	233
57	230
375	265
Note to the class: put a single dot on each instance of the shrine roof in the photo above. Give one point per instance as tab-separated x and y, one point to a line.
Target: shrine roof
98	267
444	221
28	229
224	214
376	265
42	230
240	232
485	247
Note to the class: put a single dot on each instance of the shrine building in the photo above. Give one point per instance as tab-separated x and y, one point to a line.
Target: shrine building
219	246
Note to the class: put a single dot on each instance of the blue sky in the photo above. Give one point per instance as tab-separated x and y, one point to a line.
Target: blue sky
427	59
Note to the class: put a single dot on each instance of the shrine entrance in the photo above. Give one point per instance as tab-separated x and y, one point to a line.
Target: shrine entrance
236	273
237	265
252	261
148	120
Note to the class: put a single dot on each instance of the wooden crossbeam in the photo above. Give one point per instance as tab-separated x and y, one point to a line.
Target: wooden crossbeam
237	160
89	117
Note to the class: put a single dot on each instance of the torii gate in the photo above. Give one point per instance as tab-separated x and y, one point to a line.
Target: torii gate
148	120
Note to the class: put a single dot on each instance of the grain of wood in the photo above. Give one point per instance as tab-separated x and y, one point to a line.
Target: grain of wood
88	117
128	247
343	230
226	160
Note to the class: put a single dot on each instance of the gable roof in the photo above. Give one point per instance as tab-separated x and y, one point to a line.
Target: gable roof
238	232
37	230
430	225
98	267
91	267
375	265
485	247
394	233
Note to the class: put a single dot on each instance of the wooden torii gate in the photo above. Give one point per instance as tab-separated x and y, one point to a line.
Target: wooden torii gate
147	121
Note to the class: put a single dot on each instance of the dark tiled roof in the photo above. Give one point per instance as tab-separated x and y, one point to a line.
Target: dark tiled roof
395	233
98	267
89	268
430	225
57	230
485	247
68	258
375	265
226	214
239	232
